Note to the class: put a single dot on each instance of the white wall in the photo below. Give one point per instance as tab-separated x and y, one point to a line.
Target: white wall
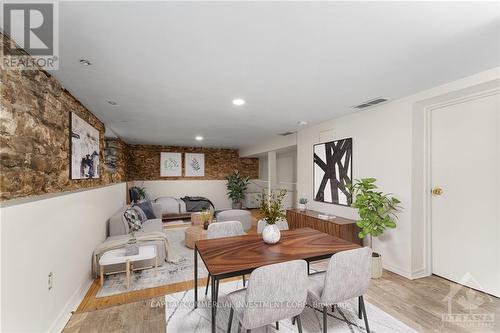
286	167
277	143
388	144
215	190
57	234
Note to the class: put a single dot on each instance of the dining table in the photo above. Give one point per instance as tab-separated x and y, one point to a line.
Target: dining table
239	255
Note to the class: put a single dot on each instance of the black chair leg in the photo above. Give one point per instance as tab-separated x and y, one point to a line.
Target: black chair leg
299	324
333	308
359	308
293	321
362	302
244	280
230	322
325	319
208	282
278	326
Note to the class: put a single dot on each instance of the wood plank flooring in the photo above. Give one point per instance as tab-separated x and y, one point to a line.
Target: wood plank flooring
418	303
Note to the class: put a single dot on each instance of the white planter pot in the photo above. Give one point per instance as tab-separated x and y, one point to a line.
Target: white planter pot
302	207
377	267
271	234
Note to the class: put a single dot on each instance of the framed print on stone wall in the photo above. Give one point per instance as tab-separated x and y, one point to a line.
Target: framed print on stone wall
170	164
332	172
85	149
195	165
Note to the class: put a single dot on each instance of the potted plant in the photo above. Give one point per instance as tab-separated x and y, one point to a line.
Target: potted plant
236	186
137	193
302	204
377	212
206	218
272	211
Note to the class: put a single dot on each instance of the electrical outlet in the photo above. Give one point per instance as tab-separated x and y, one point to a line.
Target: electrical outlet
50	280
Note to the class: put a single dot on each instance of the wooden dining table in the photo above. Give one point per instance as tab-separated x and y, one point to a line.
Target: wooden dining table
235	256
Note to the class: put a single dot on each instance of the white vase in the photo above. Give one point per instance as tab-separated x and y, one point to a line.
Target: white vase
302	207
377	267
271	234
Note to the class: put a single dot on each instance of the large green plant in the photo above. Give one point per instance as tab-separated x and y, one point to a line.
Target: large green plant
236	186
376	209
271	206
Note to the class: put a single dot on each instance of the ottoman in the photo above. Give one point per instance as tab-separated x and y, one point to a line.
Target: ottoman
193	234
241	215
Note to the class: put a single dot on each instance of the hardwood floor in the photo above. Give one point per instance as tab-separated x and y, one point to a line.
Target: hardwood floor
421	304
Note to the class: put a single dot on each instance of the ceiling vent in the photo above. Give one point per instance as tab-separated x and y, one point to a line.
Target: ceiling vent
286	133
371	102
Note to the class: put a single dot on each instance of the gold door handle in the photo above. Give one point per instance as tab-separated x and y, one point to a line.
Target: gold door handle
437	191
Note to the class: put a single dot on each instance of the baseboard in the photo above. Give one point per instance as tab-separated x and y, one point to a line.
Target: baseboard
72	304
397	270
419	273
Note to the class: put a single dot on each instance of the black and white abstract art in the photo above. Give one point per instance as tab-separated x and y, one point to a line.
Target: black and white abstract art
332	171
84	149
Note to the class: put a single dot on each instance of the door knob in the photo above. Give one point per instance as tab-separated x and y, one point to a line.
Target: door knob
437	191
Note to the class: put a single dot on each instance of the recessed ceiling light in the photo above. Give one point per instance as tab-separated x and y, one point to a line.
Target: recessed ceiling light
238	101
302	123
198	138
112	103
85	62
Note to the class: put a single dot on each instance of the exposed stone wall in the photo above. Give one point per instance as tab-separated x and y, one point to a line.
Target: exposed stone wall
35	148
143	162
34	135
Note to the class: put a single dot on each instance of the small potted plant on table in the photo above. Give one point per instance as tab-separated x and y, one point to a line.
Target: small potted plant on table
377	212
302	204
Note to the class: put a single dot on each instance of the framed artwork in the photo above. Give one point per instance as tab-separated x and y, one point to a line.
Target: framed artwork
195	165
332	171
85	149
170	164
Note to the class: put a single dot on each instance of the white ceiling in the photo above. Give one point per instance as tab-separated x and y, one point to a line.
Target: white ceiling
173	68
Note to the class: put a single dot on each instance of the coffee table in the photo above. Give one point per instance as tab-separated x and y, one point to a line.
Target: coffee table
118	256
193	234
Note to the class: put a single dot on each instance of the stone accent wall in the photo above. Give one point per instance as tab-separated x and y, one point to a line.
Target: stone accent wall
34	135
144	162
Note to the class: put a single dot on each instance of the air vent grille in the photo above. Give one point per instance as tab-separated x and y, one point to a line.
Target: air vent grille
371	102
286	133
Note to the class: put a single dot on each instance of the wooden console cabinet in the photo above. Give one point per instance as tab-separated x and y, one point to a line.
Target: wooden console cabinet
339	226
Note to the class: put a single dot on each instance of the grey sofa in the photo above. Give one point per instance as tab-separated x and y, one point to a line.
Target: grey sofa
117	228
117	225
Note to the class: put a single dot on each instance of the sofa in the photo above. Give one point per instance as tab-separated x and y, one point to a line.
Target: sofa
118	228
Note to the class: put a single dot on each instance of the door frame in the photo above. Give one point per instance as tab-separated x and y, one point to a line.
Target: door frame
427	176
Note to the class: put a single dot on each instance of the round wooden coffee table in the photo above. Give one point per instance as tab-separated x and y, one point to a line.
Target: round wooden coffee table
192	234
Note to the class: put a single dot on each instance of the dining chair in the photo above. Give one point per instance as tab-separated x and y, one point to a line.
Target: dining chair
348	276
275	292
224	229
282	225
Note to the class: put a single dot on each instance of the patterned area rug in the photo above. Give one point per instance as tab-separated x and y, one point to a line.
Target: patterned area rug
168	273
181	317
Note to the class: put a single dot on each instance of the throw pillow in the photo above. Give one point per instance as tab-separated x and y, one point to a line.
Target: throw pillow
142	216
147	208
132	219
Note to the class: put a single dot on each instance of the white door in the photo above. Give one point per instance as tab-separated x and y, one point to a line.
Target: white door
465	145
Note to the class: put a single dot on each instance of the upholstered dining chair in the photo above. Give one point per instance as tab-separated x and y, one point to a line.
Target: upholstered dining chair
282	225
274	292
348	276
224	229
